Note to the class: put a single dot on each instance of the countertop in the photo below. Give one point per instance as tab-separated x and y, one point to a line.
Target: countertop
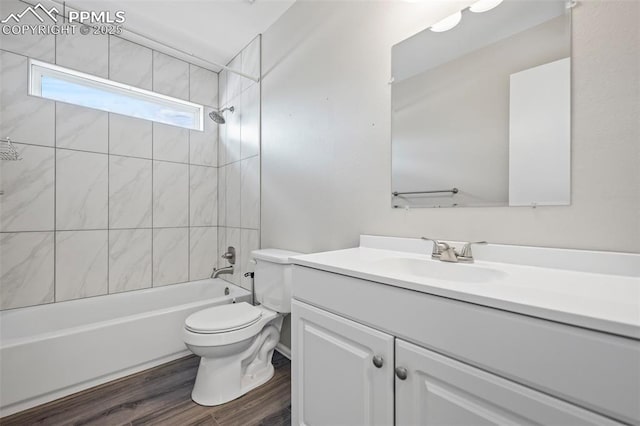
600	301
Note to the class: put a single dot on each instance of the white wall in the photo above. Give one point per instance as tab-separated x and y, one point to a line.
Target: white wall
326	133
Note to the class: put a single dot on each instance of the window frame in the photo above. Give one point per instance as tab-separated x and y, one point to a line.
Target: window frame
39	69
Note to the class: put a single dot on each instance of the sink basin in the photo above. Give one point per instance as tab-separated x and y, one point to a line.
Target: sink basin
437	270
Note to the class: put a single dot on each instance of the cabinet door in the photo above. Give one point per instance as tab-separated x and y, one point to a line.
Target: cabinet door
438	390
342	371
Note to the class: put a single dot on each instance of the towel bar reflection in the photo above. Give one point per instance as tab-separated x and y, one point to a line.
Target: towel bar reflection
8	152
452	190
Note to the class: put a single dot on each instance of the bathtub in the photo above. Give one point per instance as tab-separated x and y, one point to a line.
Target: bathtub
50	351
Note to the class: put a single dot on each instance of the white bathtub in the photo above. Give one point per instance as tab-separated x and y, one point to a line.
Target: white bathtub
49	351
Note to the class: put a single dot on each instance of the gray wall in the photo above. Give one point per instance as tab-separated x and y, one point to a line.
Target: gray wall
102	203
326	133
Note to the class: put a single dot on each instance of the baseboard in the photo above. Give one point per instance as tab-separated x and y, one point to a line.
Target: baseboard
283	350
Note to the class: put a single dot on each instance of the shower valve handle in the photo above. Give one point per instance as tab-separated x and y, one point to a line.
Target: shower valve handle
230	255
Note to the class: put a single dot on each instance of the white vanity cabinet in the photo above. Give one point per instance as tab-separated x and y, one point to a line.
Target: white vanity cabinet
447	362
432	389
342	370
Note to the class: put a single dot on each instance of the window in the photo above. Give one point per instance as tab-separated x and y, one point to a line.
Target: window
65	85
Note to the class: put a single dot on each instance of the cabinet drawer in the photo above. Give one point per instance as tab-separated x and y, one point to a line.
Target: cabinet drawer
592	369
438	390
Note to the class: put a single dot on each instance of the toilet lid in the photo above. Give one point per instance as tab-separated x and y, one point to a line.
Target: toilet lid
223	318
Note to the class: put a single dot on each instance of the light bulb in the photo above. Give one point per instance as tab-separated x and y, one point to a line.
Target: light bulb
484	5
447	23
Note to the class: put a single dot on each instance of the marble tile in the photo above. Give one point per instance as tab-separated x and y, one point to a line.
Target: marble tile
250	193
81	128
203	146
230	139
250	122
222	145
251	62
81	190
234	81
130	63
130	136
81	264
203	196
203	252
23	118
222	246
223	77
203	86
130	190
170	143
170	194
28	185
222	196
33	45
86	53
26	269
129	259
170	76
232	238
232	200
249	241
170	256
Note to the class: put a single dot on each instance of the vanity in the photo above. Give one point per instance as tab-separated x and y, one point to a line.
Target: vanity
384	334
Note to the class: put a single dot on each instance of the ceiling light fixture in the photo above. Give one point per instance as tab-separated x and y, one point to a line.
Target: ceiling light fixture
484	5
447	23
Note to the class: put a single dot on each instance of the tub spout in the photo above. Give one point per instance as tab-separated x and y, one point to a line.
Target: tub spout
220	271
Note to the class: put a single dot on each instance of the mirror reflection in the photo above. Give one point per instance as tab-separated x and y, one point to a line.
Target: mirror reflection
481	108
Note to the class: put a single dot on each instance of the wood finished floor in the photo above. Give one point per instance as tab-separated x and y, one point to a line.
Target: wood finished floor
162	396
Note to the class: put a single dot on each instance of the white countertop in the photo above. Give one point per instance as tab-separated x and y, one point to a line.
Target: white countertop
600	301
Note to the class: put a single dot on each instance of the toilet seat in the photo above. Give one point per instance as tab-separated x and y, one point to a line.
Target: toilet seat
223	319
233	336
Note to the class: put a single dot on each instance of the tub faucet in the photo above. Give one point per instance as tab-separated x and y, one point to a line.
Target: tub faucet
230	255
223	270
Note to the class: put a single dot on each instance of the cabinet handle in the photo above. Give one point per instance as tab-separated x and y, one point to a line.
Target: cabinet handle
378	361
401	372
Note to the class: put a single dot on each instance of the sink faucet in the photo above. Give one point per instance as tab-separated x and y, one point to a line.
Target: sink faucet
446	253
230	255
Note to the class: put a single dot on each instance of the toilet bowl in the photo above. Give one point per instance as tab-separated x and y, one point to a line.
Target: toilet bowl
236	341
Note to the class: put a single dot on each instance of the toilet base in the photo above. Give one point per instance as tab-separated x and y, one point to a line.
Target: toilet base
227	372
219	382
252	381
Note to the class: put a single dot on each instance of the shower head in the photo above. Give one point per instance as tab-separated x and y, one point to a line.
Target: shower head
217	115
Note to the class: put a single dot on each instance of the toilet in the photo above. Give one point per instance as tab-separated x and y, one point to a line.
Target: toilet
236	341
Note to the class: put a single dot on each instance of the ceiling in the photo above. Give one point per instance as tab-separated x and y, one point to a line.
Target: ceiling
214	30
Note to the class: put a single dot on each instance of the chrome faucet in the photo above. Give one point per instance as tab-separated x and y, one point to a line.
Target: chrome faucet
230	255
444	252
223	270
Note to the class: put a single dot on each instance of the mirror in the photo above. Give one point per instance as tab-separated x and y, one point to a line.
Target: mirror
481	113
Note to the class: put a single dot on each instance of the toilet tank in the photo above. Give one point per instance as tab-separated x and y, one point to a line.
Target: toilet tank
272	280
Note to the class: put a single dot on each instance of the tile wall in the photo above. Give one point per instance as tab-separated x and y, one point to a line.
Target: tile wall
103	203
239	163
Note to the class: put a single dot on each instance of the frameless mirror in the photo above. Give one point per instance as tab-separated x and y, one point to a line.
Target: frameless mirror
481	112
